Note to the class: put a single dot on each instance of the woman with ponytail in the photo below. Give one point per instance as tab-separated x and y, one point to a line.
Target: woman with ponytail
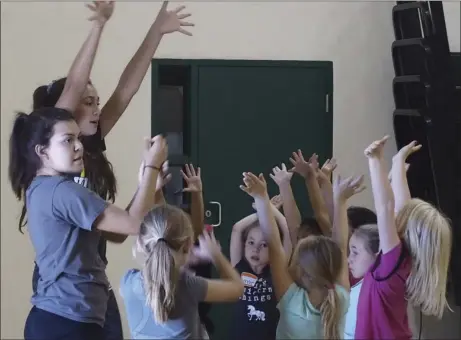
162	298
312	292
78	94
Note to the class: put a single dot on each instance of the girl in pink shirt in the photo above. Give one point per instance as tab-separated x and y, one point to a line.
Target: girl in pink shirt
415	253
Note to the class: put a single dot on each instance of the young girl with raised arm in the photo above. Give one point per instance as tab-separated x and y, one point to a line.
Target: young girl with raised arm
312	293
65	221
162	298
428	238
78	94
407	265
255	315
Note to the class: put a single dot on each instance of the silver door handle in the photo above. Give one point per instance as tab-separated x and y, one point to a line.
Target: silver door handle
219	214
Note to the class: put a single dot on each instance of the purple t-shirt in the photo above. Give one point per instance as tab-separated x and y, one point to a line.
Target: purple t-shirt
382	307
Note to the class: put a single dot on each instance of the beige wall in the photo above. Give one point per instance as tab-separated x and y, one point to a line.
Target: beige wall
38	45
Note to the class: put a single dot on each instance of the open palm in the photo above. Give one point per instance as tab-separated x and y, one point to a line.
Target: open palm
172	21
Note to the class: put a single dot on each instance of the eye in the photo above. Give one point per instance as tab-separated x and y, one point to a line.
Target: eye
251	243
68	140
264	245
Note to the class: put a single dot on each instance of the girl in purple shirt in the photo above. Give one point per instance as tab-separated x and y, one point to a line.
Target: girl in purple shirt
415	252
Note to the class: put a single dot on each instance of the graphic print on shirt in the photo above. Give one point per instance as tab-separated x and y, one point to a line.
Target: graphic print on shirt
257	290
82	180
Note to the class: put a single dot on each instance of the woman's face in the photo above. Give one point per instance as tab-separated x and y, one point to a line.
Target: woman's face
87	113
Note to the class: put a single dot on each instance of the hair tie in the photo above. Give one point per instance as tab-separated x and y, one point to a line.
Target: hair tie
161	239
49	87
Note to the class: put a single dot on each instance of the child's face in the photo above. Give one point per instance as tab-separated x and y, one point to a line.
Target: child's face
256	251
360	259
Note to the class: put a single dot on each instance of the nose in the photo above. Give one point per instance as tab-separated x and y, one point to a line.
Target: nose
78	145
97	111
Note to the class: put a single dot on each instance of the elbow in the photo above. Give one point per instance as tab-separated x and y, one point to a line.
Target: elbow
134	226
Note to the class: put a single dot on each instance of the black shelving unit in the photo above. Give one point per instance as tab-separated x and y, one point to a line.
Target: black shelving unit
427	109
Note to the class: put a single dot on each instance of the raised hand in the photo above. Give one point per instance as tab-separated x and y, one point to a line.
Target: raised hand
192	178
208	248
164	177
406	151
375	149
300	166
348	187
255	186
172	21
327	169
281	175
155	151
102	11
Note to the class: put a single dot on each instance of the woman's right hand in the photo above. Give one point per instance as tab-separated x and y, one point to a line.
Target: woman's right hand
156	151
208	248
102	11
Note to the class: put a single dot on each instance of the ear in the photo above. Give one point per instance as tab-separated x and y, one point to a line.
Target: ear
40	150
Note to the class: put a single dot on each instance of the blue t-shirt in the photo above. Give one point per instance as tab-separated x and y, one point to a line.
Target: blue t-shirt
183	322
72	280
299	319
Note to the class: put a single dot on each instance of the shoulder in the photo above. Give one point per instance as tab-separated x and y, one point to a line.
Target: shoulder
194	284
130	282
395	264
293	294
243	265
343	294
46	183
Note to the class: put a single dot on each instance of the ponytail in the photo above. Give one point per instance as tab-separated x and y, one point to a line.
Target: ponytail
160	276
19	172
28	132
331	315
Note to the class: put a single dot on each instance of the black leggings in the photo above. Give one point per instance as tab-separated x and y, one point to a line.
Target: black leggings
113	325
43	325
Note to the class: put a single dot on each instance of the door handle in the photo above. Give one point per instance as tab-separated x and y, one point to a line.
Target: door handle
219	214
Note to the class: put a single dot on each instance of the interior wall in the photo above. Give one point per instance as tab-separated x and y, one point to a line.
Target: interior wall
38	45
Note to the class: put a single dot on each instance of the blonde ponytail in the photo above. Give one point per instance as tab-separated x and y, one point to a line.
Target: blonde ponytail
160	276
331	315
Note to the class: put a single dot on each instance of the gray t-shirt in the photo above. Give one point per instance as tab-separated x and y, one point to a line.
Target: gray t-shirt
60	217
184	322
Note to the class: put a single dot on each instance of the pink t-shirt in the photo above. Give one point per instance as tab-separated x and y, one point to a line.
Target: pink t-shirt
382	307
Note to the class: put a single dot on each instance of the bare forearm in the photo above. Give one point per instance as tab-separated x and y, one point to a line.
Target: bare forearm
318	205
340	225
225	269
79	73
144	199
137	67
399	184
291	211
267	221
327	194
382	192
197	212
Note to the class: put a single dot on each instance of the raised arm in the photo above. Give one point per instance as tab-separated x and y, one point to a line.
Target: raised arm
230	286
308	170
282	224
134	73
383	196
324	179
342	191
195	187
79	73
121	221
282	178
236	242
399	181
257	188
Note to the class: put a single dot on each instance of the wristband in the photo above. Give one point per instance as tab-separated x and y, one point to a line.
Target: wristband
153	167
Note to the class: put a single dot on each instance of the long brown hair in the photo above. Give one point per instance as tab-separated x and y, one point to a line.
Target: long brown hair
316	263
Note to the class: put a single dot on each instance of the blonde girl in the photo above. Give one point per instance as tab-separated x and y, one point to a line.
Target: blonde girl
414	256
162	298
312	304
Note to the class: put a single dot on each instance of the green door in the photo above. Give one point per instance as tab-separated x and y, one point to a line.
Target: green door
250	116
